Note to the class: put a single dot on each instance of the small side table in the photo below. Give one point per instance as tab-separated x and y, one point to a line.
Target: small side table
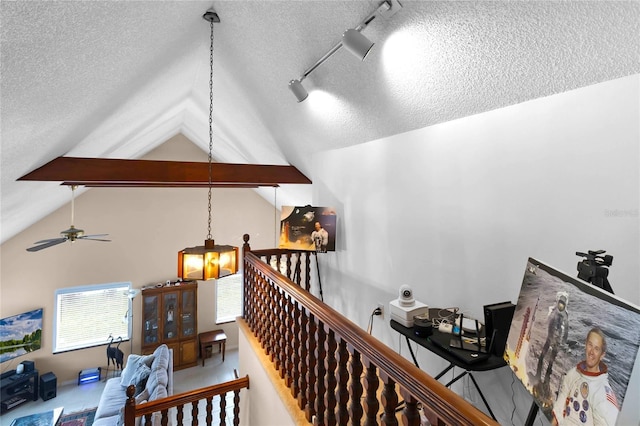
209	338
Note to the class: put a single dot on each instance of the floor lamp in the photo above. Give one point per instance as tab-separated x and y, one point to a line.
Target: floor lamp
132	295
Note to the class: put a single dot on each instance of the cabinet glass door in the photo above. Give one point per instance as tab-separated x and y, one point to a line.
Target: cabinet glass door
188	313
150	329
170	315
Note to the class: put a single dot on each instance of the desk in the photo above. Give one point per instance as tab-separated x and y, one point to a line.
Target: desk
491	363
209	338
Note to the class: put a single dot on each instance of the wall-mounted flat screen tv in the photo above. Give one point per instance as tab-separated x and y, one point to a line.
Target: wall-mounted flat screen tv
572	345
20	334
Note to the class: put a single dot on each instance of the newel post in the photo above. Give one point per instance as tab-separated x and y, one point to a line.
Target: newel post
130	407
246	295
246	247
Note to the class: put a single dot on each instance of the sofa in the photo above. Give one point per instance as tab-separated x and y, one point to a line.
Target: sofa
151	374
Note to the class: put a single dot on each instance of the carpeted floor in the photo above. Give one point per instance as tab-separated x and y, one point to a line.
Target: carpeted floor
80	418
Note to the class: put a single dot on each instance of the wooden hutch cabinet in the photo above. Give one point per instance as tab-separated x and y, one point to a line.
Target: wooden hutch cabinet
169	315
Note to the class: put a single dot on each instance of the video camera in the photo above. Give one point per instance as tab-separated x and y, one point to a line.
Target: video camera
594	268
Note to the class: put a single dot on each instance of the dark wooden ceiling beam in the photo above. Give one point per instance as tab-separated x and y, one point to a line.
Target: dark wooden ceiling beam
161	185
144	173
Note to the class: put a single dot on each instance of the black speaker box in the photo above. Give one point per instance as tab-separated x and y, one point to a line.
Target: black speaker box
497	317
29	366
422	326
48	385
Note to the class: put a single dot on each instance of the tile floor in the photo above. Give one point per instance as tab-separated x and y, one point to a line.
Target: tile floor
77	398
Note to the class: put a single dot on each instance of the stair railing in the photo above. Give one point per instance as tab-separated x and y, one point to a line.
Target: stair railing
338	373
160	408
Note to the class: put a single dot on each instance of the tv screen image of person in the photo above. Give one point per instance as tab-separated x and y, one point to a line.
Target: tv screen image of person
572	345
20	334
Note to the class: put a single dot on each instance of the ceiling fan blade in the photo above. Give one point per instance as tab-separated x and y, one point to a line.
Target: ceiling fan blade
93	237
47	243
49	240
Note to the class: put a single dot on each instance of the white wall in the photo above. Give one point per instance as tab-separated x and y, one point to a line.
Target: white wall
147	228
455	210
268	402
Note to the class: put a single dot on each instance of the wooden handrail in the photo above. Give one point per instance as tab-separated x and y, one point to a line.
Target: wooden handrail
282	315
294	264
178	401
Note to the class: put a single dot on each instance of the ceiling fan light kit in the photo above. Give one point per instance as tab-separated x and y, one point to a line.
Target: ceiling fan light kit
209	261
352	40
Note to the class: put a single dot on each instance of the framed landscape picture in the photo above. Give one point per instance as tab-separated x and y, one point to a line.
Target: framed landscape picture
20	334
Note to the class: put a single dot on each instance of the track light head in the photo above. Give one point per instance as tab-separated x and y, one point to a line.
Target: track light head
356	43
298	90
352	40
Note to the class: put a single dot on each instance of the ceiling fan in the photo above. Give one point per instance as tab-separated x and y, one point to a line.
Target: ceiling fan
72	234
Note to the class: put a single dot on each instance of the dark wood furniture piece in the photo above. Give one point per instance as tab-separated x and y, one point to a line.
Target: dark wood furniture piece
106	172
210	338
16	389
490	363
169	316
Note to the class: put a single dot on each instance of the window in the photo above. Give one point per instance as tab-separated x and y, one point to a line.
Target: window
228	298
86	316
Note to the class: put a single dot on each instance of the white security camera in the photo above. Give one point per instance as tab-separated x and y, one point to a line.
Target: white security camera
405	296
404	309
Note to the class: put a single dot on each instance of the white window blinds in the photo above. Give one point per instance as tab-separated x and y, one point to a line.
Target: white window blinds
228	298
86	316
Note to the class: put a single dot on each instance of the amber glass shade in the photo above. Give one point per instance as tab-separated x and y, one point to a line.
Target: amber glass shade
207	262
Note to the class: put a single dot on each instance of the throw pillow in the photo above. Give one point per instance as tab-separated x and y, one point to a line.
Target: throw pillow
140	378
161	360
133	363
142	397
157	378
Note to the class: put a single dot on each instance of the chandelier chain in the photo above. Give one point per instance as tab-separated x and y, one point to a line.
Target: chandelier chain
209	237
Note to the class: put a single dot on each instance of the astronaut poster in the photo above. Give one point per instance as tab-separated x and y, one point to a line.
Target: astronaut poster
308	228
573	346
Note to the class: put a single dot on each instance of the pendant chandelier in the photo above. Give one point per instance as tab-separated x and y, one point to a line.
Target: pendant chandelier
210	261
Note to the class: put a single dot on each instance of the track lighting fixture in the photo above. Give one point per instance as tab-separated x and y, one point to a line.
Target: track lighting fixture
356	43
353	40
298	90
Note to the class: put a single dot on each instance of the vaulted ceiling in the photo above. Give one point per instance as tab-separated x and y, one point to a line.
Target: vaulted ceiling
105	79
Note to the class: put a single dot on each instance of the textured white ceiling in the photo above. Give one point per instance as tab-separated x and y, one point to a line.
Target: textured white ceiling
117	79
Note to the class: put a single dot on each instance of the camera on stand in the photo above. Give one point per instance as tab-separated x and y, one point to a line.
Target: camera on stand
594	268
